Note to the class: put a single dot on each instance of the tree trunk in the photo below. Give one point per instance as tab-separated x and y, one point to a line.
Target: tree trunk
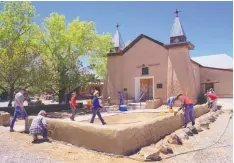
61	95
11	96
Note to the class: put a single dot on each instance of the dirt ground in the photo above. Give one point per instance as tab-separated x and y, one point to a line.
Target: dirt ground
17	148
126	118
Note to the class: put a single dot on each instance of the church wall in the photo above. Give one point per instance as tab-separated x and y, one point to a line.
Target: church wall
114	77
222	80
196	71
180	73
149	53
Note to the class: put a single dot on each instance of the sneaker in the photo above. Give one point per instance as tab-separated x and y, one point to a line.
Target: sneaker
104	123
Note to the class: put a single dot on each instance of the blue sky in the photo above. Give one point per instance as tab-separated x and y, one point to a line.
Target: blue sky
208	25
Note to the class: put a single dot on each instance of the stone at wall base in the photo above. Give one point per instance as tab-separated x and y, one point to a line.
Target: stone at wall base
4	119
150	153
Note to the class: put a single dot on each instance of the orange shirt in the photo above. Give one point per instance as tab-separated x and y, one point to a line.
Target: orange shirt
185	100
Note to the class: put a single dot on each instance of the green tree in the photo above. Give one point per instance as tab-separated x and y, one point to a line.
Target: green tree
19	48
98	57
63	44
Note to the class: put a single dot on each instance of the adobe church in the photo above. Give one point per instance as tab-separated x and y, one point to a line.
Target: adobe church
148	69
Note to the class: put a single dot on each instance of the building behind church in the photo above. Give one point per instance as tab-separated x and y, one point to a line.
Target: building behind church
148	69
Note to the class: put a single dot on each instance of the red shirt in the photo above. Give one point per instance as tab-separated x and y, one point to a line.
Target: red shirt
212	96
73	101
185	99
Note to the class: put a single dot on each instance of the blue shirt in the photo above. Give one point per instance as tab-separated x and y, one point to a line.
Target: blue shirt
170	101
96	104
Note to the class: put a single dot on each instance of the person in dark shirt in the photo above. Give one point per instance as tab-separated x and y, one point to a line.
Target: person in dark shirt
96	108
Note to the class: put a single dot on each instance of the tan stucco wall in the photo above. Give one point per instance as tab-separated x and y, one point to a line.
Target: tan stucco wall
180	73
197	78
114	77
224	87
122	140
146	52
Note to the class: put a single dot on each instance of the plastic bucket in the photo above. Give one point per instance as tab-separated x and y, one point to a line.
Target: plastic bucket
123	108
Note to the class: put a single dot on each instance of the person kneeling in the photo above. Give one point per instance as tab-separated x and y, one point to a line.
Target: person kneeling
39	127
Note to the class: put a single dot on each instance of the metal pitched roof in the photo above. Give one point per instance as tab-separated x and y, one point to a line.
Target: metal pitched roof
118	41
177	28
222	61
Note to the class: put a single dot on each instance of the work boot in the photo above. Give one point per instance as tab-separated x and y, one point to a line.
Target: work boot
185	126
34	139
47	139
12	130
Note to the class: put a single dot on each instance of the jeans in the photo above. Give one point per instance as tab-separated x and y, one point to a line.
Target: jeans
96	111
44	132
189	114
214	105
73	113
16	113
209	105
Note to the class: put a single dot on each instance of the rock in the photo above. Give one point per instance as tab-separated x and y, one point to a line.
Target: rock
193	129
183	135
163	148
174	139
199	129
219	111
211	118
150	153
214	114
205	125
203	120
188	131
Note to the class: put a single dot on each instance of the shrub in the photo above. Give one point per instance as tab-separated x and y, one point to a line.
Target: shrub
201	99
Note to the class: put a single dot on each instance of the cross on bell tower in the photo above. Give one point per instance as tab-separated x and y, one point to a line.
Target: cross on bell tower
117	39
117	26
177	31
177	12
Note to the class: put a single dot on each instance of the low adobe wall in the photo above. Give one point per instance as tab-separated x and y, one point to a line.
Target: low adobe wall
123	140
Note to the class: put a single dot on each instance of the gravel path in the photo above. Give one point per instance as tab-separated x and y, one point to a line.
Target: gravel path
221	152
17	148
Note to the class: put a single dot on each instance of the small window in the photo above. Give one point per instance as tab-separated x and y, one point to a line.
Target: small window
145	71
159	85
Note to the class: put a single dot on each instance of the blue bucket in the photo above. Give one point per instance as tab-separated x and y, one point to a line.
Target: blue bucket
123	108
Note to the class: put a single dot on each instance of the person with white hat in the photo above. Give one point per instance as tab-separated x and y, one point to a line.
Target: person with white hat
39	126
96	108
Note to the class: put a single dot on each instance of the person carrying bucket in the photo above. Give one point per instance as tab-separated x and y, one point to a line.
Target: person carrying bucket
96	108
188	111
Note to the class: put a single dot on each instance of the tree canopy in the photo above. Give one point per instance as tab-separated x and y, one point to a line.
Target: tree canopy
46	56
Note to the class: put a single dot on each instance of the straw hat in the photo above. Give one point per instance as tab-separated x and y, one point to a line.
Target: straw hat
95	92
42	112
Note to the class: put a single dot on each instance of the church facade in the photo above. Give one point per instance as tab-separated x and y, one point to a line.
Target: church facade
148	69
